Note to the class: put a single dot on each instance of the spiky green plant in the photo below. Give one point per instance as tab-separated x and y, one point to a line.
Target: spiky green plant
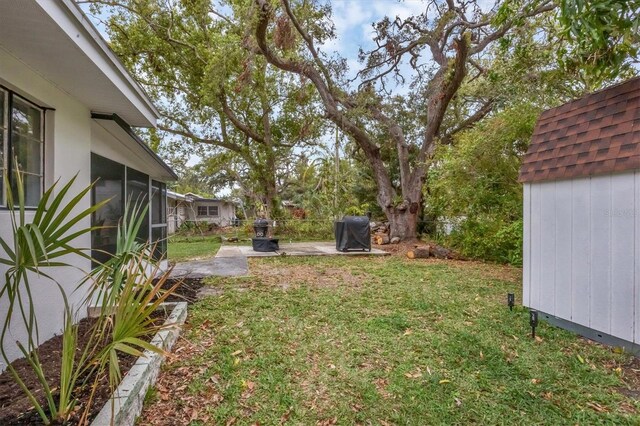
39	243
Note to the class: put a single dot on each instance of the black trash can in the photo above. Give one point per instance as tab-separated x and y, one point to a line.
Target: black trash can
353	233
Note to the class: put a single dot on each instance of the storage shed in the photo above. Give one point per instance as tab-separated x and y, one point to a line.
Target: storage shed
581	178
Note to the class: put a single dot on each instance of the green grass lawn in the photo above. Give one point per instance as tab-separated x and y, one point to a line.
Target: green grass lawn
181	248
343	340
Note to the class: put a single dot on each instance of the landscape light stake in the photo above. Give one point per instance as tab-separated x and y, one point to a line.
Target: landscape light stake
533	322
511	300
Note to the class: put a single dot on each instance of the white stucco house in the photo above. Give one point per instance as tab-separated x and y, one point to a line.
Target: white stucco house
581	179
68	105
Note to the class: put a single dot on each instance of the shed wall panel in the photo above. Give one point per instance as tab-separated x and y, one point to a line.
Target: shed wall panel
534	294
600	255
563	281
636	238
526	244
547	246
580	248
622	255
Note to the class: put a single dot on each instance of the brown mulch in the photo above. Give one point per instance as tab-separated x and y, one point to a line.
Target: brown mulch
15	407
167	409
186	292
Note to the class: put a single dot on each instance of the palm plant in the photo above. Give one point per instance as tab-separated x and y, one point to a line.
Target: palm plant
127	253
129	287
39	243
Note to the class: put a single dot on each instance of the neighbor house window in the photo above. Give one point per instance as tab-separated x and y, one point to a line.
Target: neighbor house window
21	139
213	210
202	211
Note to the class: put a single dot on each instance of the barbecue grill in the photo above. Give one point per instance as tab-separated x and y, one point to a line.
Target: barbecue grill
353	233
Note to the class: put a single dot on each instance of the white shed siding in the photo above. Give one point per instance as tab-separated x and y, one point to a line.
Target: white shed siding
580	249
636	269
563	282
526	240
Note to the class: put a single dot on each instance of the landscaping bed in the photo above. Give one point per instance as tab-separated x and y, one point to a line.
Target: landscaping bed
15	407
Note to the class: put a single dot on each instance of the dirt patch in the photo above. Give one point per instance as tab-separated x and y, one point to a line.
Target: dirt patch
187	291
286	277
631	378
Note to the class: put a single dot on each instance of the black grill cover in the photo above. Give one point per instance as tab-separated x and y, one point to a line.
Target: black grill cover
265	244
353	233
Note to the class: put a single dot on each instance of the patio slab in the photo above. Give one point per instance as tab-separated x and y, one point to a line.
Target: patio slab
231	261
229	266
318	248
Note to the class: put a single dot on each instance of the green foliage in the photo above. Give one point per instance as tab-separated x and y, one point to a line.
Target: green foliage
37	244
603	35
126	285
305	230
474	186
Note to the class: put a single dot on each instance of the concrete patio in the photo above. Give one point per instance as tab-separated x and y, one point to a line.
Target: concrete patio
231	261
318	248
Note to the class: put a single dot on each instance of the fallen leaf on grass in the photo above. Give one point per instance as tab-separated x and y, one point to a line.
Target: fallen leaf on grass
535	381
407	332
413	375
580	359
238	352
538	339
458	402
443	381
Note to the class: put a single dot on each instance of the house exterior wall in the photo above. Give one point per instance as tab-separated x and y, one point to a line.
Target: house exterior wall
177	214
67	153
581	239
226	212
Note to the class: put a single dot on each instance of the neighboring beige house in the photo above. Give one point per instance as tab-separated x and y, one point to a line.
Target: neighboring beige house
192	207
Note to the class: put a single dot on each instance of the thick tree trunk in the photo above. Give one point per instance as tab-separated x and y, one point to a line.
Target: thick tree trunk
403	222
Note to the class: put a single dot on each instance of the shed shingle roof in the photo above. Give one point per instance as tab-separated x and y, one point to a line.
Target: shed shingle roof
596	134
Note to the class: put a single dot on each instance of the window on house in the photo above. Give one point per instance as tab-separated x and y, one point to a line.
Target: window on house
159	218
121	184
21	139
109	178
138	194
213	210
202	211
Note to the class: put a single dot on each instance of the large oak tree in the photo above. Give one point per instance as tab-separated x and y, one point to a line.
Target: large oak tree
437	48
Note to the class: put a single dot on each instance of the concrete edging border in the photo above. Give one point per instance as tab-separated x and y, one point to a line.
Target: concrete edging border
126	403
